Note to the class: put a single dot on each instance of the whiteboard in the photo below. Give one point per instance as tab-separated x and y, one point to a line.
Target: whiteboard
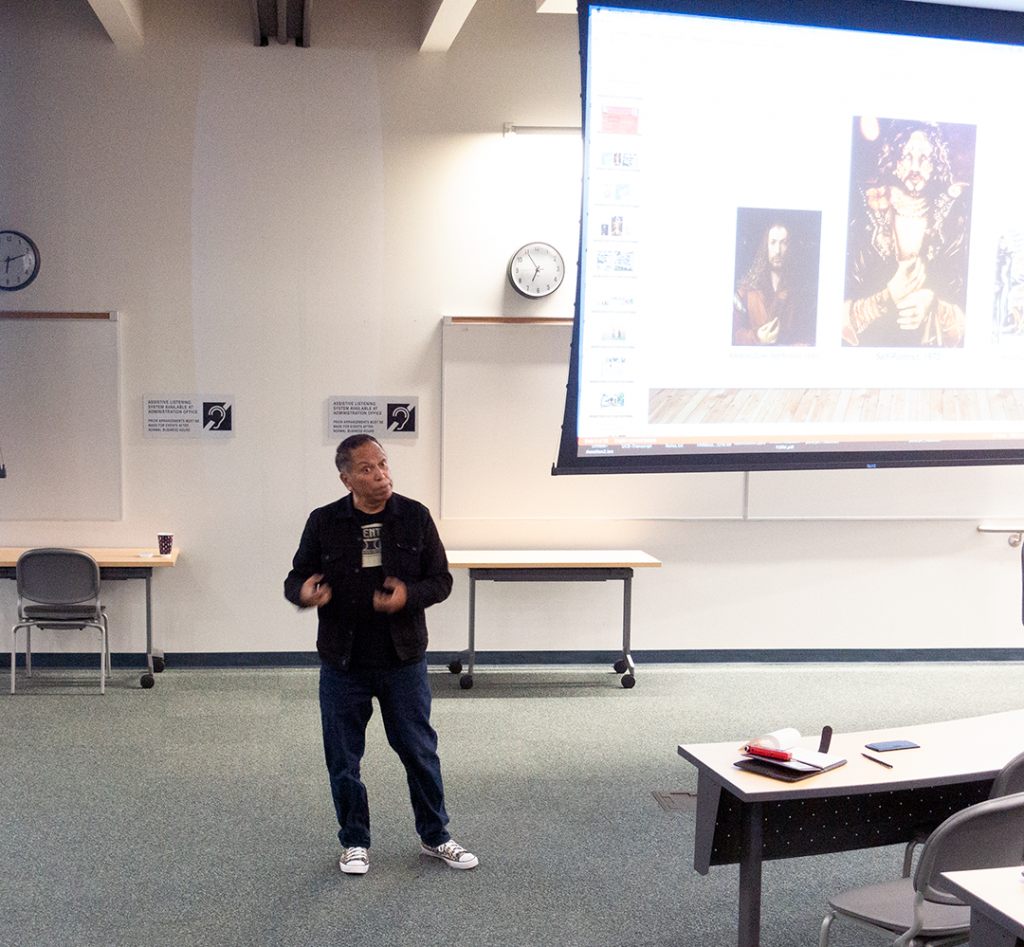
891	493
60	419
503	393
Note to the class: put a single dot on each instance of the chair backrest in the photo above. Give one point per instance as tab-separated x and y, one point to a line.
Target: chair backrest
1010	778
989	834
57	576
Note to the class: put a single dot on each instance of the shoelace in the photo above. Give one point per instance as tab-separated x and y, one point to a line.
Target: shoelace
355	854
452	850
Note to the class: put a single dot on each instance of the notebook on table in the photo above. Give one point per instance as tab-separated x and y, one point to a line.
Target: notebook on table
778	755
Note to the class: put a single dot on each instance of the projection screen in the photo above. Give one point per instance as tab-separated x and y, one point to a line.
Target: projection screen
802	238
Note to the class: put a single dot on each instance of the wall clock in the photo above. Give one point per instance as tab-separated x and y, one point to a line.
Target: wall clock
536	270
19	260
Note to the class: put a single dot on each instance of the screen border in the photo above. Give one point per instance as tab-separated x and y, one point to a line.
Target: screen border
901	17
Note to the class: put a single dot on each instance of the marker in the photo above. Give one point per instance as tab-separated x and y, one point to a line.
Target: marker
876	760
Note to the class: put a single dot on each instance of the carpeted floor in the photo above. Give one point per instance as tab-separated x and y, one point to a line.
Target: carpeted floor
198	813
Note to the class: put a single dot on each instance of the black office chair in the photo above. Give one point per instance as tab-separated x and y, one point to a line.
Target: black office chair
1009	780
58	589
922	912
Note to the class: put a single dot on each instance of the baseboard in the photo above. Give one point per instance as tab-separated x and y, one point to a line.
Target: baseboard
286	659
743	656
827	655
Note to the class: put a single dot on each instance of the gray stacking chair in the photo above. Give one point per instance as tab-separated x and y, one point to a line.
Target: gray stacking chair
1009	781
58	589
922	912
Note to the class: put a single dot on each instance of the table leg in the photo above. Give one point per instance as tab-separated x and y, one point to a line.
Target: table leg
472	623
627	610
149	623
750	876
709	792
154	656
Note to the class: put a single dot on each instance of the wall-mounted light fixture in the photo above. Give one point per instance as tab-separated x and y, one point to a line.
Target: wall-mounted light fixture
509	129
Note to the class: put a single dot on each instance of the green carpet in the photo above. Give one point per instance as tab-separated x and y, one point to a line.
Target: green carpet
198	813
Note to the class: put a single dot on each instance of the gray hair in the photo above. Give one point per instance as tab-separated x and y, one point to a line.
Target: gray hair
343	455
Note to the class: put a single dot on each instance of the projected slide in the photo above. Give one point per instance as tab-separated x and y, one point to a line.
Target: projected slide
797	240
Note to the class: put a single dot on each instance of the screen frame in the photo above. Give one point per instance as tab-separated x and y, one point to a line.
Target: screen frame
901	17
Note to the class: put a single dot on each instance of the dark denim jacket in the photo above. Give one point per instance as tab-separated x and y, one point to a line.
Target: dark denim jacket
411	550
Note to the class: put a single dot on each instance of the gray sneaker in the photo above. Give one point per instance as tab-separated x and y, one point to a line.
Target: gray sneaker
354	861
451	853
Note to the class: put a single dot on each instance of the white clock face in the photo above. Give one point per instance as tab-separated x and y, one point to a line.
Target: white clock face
536	270
19	260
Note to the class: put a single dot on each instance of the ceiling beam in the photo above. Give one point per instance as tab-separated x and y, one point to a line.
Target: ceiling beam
442	20
122	19
286	19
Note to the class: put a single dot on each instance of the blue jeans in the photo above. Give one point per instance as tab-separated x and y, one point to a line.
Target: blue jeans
345	710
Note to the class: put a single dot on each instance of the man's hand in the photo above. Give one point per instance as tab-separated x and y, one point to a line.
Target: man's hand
314	591
915	308
393	598
909	279
768	334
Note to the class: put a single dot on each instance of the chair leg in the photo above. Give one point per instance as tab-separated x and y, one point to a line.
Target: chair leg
908	857
14	649
102	628
106	638
825	926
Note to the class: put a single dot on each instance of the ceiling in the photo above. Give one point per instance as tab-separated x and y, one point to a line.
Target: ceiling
293	20
286	21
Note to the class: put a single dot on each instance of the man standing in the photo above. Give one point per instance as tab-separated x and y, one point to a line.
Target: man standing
767	307
371	563
906	271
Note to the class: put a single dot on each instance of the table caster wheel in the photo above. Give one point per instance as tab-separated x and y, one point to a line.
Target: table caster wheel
158	664
455	667
147	681
628	681
620	666
466	681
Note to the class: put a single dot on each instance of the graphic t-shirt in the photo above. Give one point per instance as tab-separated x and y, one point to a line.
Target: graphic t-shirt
371	539
372	646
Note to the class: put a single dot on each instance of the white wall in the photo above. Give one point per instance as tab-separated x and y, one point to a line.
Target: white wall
284	225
